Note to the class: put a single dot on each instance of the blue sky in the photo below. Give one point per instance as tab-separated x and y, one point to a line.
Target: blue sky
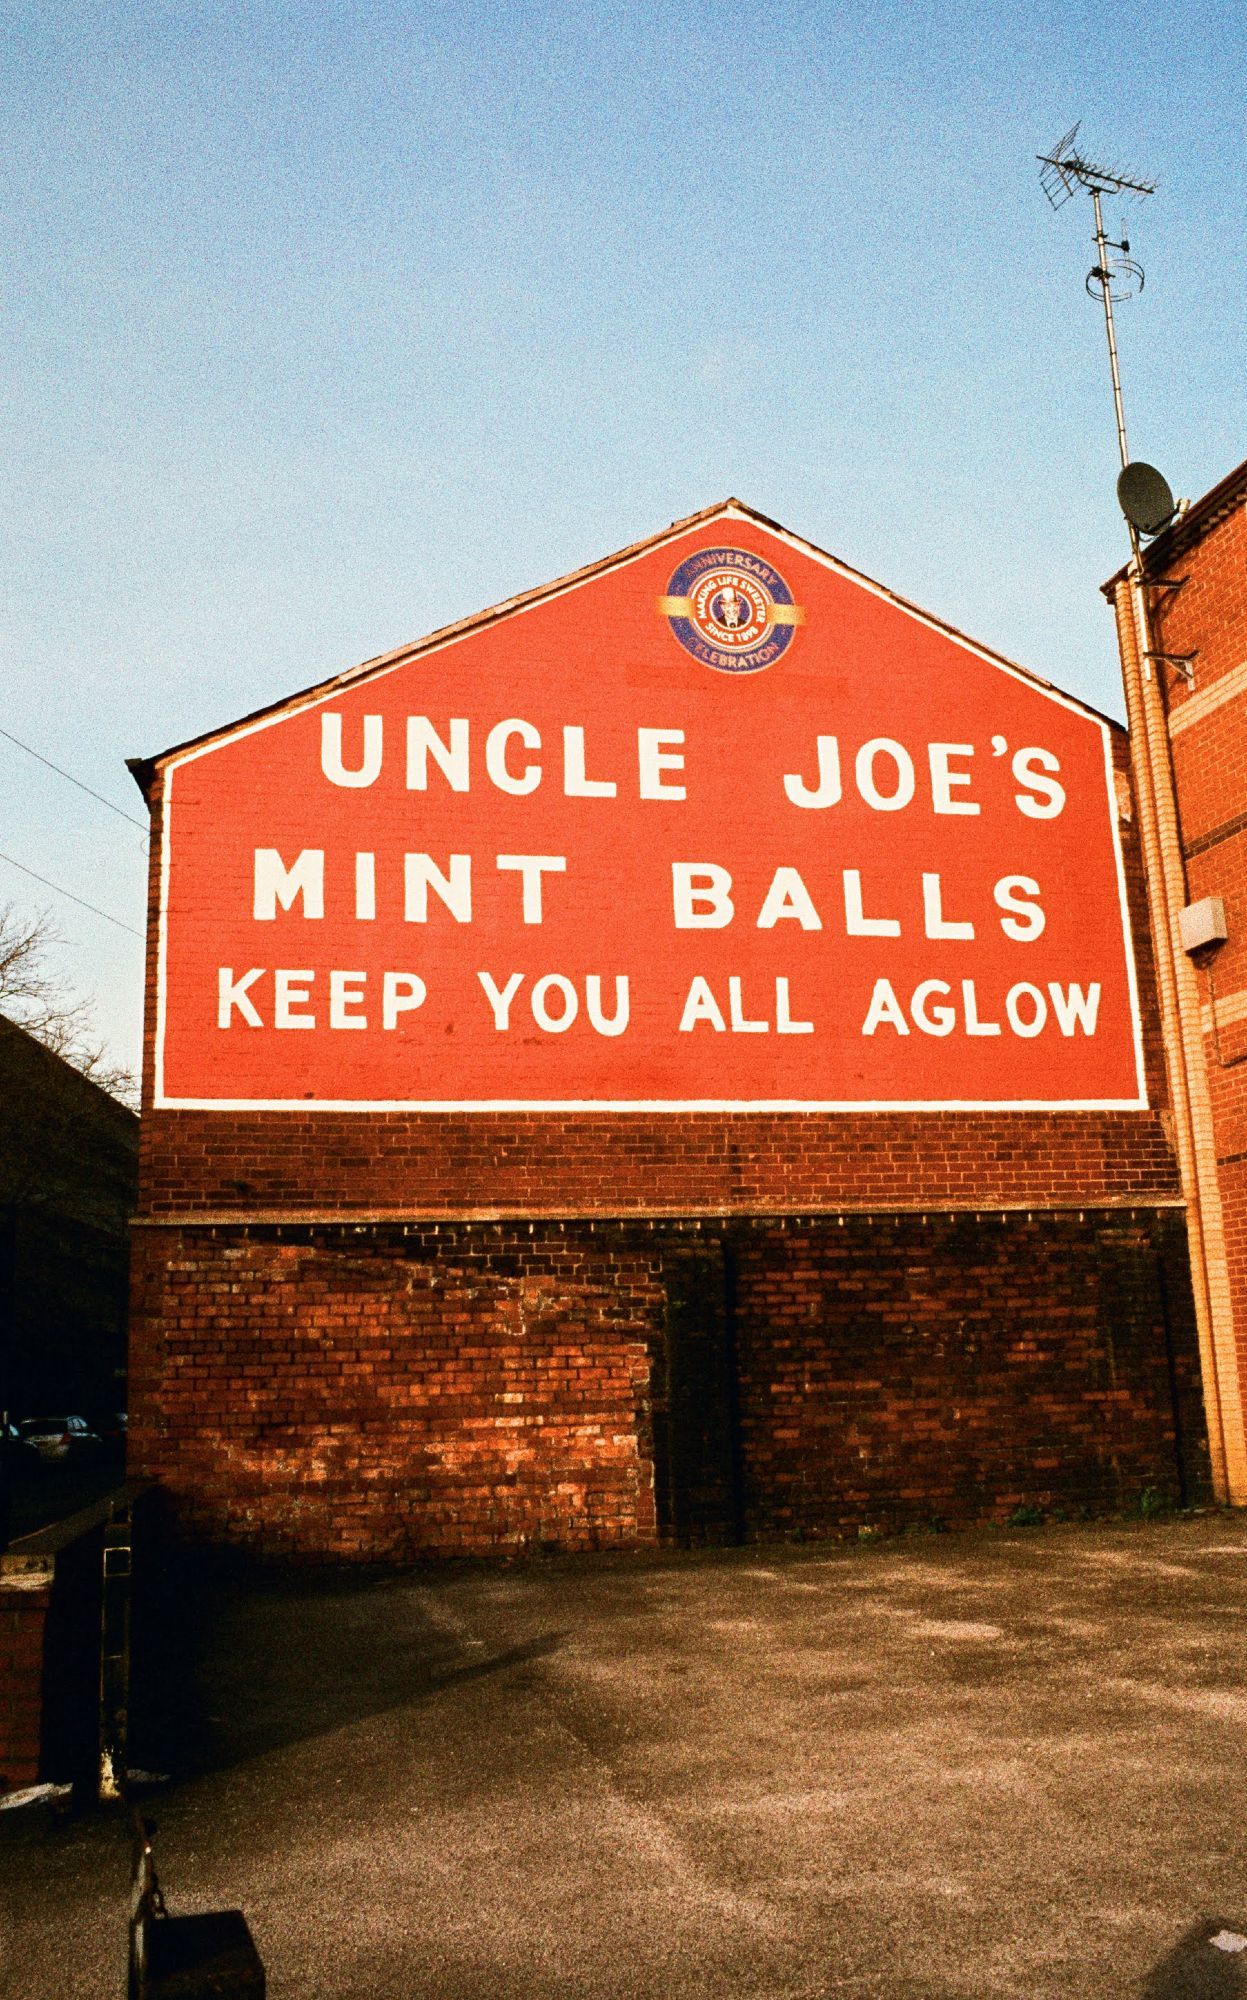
324	325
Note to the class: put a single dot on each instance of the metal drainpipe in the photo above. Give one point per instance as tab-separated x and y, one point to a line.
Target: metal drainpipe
1184	1055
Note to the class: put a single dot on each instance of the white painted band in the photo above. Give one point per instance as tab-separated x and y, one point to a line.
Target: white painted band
1207	699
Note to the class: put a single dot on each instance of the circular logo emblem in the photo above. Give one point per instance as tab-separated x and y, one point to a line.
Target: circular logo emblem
731	610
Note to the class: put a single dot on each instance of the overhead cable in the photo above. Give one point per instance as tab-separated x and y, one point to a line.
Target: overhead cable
38	755
80	900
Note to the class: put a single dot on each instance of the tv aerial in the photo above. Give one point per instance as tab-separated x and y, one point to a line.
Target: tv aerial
1142	492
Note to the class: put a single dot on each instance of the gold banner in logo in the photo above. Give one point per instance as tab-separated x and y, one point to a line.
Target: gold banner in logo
781	614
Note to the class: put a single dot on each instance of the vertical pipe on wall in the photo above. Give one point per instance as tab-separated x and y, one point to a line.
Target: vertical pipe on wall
731	1358
1184	1055
1175	1389
1212	1219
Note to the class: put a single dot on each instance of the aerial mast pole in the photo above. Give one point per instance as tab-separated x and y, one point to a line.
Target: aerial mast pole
1101	275
1114	276
1148	506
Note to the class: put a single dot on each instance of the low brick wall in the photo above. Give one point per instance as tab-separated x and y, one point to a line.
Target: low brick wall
25	1596
51	1602
395	1391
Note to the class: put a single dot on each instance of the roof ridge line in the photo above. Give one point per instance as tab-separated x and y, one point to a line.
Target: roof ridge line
144	769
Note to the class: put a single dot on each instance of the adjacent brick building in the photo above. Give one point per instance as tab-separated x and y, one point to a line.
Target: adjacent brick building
68	1185
884	1227
1182	621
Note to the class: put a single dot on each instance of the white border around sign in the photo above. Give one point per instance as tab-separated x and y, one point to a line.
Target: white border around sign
659	1106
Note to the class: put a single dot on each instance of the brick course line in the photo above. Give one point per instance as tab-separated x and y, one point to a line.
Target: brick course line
229	1218
1215	836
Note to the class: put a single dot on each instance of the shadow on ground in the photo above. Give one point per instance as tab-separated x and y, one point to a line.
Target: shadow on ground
1199	1969
233	1660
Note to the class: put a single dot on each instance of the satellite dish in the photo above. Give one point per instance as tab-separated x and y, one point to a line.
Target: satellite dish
1144	498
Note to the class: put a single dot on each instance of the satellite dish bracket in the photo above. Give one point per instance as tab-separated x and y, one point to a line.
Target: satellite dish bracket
1182	663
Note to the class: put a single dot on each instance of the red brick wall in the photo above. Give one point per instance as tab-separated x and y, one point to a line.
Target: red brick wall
391	1393
956	1369
473	1388
50	1611
23	1615
396	1165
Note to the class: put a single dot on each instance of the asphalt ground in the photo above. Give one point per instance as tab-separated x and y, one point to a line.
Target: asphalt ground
1009	1764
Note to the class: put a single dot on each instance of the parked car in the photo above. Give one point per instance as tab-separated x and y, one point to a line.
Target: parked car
59	1437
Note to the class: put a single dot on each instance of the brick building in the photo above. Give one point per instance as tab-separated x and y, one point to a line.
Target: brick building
754	1119
1182	628
68	1185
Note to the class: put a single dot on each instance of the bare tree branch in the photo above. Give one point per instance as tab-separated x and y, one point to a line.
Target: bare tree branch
35	997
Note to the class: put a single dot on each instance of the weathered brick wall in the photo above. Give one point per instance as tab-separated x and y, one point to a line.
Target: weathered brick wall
24	1601
395	1392
473	1388
957	1368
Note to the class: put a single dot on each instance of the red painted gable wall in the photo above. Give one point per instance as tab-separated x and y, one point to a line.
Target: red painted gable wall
381	1332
